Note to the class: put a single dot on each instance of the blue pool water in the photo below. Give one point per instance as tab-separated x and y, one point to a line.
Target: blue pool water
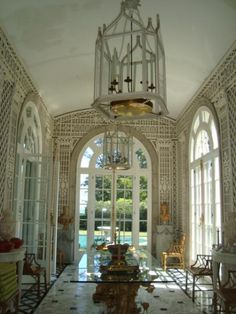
127	239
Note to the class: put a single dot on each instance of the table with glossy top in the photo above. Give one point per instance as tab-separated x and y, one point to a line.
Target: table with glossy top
118	288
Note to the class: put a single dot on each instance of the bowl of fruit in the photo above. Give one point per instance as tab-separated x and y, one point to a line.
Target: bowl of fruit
17	242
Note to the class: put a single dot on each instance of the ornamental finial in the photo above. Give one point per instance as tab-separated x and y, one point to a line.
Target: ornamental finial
131	4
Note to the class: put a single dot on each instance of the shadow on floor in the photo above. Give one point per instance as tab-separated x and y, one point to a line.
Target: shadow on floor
29	294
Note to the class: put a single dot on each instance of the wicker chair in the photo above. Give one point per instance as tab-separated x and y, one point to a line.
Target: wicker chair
202	267
226	294
33	268
174	256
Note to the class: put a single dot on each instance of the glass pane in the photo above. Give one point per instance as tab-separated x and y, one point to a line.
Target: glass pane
128	212
202	144
143	182
128	182
98	142
107	195
83	196
143	195
143	227
99	161
107	181
83	237
99	182
106	212
83	224
86	158
120	194
143	233
141	158
143	213
120	182
98	213
83	211
196	124
98	195
128	195
205	116
84	180
124	182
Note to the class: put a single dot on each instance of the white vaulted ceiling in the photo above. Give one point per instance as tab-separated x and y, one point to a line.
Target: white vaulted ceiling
55	40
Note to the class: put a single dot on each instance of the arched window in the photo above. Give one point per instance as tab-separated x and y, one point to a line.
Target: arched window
99	189
205	218
32	183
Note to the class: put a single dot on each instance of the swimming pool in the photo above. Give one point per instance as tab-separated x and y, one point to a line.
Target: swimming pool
98	240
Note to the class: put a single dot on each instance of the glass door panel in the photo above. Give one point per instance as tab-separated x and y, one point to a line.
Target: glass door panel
83	210
103	208
143	211
31	203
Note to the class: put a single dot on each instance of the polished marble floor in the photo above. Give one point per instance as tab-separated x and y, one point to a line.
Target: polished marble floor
68	296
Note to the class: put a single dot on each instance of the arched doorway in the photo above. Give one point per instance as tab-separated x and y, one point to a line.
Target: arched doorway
95	188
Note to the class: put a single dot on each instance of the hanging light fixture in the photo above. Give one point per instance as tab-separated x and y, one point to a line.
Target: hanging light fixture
117	155
129	80
117	150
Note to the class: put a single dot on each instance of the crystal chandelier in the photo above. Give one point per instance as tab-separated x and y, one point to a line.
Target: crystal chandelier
117	150
129	80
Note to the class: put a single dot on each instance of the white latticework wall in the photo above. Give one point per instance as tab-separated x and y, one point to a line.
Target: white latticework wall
6	92
220	91
15	88
231	97
71	127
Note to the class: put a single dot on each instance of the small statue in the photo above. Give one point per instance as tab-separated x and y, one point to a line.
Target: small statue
65	218
164	215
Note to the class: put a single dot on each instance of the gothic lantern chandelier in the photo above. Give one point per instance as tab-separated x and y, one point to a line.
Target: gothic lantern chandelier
129	80
117	150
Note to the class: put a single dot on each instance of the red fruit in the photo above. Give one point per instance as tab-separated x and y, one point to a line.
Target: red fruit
16	242
5	246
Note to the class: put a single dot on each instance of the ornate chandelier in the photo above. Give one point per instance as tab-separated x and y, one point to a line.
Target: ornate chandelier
129	80
117	150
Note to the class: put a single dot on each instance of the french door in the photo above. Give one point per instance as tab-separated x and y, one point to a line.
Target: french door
206	213
125	196
31	204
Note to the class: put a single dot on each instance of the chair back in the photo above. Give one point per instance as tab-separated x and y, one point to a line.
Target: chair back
29	263
203	263
179	246
231	280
